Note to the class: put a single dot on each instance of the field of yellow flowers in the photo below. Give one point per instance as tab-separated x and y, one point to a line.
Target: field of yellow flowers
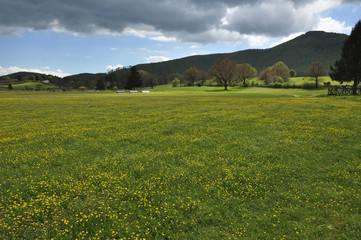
223	165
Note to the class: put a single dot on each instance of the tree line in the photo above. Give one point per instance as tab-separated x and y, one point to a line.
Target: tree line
223	73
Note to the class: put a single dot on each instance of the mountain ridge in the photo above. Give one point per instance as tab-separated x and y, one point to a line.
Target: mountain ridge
297	54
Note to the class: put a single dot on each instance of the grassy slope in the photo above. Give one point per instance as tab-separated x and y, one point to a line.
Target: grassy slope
32	85
190	163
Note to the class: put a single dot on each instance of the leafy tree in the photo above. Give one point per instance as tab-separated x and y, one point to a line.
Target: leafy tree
245	71
7	79
175	82
111	85
293	73
192	75
348	67
100	85
31	77
268	76
148	79
316	70
281	70
38	77
224	71
118	78
163	78
203	76
58	82
10	87
134	79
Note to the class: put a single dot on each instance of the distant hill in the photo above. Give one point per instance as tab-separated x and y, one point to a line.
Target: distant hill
297	54
76	77
26	75
85	77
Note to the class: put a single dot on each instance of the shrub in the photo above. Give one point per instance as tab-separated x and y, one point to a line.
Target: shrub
293	73
308	85
275	85
175	82
278	79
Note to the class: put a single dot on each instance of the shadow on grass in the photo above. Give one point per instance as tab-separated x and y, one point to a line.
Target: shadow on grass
218	90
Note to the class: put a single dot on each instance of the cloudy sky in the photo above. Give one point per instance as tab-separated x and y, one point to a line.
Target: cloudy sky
63	37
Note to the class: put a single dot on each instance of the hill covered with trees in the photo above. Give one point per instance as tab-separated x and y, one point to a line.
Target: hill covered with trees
298	54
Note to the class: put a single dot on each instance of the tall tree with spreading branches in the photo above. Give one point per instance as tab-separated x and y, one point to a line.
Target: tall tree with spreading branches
224	71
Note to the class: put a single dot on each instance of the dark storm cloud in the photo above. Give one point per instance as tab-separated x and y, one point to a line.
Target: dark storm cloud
199	20
85	16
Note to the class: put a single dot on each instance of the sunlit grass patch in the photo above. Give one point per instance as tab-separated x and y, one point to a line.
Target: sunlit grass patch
184	164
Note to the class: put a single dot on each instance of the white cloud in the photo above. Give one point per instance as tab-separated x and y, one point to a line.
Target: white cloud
331	25
257	40
151	51
113	49
141	31
153	59
163	39
194	46
42	70
145	31
110	67
288	38
318	6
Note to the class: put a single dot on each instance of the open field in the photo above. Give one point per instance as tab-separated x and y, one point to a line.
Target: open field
180	163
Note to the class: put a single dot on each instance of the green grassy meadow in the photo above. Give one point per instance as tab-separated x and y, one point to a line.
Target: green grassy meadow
29	85
180	163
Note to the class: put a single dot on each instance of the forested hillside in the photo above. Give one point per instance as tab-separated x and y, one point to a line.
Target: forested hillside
296	54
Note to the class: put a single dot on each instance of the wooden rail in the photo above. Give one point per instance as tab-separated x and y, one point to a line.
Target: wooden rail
342	90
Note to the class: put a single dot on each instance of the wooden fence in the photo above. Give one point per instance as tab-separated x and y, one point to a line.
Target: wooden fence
342	90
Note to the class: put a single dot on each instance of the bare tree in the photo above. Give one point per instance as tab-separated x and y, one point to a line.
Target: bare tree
224	71
316	70
268	76
203	76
